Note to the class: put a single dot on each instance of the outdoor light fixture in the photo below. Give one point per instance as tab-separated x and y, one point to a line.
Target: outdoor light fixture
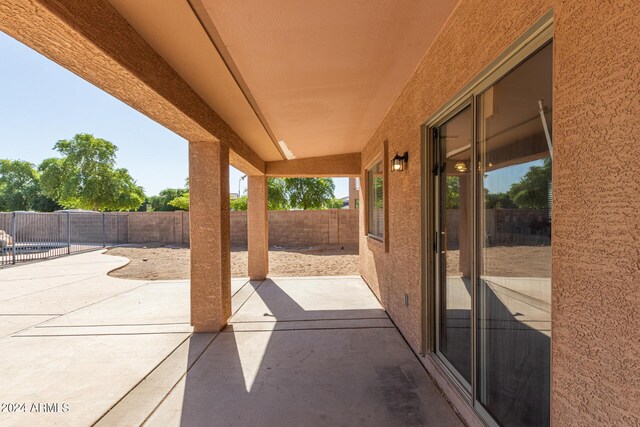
399	162
461	167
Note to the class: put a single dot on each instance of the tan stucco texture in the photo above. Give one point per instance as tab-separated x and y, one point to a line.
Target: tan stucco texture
209	235
596	202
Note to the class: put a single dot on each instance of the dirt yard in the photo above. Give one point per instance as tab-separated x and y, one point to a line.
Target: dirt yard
512	261
157	262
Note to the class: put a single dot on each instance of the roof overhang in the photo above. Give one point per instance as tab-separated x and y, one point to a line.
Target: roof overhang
293	79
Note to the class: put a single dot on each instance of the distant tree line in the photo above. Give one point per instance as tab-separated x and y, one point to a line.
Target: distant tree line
531	192
296	193
85	177
20	188
284	194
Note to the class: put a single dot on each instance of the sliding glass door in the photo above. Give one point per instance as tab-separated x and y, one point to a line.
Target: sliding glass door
454	246
492	233
514	243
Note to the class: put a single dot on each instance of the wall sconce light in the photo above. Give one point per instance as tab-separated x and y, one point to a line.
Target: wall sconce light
399	162
460	167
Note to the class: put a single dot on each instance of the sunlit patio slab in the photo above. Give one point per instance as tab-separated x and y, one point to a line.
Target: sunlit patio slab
81	263
297	351
151	304
61	285
10	324
310	298
65	299
24	286
88	373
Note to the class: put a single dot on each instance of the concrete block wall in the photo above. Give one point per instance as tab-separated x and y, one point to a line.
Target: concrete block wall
299	228
332	226
286	228
239	228
160	227
116	228
348	226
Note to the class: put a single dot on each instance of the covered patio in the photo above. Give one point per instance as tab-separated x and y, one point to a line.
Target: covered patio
89	349
544	90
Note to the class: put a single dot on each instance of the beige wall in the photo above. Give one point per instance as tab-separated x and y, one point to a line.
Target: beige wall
286	228
596	302
239	228
161	227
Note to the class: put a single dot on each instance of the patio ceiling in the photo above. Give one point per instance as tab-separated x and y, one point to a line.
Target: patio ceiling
318	76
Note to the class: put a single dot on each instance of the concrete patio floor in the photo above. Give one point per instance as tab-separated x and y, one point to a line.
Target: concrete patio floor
298	351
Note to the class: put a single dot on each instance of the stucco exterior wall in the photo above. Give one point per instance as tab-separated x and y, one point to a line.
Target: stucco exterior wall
596	204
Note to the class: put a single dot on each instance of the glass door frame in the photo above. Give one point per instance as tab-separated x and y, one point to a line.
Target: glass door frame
437	185
538	36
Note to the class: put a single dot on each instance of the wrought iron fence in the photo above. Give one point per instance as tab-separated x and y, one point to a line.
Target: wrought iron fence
30	236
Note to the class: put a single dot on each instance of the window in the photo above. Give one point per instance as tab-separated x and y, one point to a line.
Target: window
375	203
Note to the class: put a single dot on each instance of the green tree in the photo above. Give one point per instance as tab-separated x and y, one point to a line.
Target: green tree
45	204
146	205
51	174
181	197
18	185
277	194
239	203
532	191
453	192
498	200
162	202
181	202
309	193
86	177
20	188
334	204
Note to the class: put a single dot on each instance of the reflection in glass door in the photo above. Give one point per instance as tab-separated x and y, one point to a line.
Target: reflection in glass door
492	233
453	226
514	243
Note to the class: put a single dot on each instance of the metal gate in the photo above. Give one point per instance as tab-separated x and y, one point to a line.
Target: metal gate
30	236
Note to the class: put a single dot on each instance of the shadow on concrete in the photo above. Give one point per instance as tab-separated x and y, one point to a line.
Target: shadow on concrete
514	353
296	364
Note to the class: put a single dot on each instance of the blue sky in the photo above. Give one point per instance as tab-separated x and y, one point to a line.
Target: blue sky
41	103
500	180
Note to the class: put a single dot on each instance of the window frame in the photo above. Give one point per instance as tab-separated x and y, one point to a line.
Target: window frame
382	157
371	201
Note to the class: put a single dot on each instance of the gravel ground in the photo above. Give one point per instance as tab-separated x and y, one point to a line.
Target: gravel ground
157	262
